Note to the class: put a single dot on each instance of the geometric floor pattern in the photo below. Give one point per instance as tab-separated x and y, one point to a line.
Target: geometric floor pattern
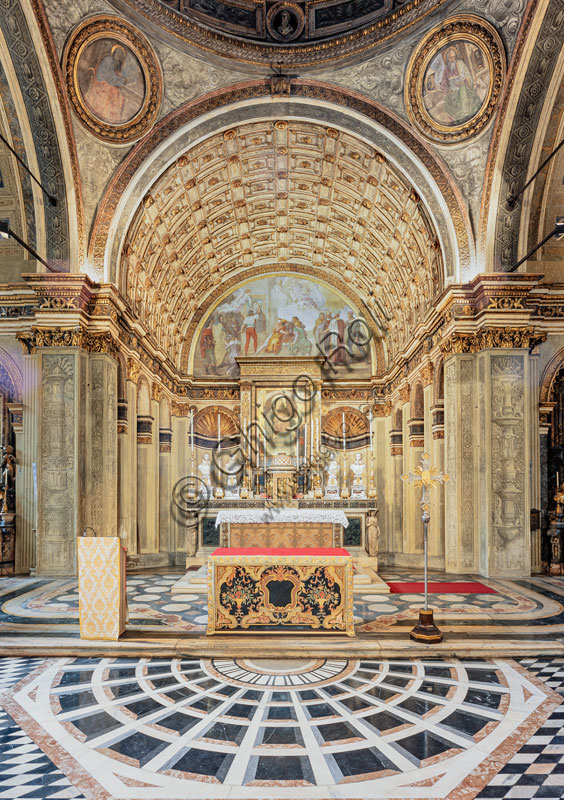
335	728
25	771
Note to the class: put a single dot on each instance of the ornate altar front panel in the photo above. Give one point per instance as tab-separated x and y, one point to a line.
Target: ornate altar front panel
282	527
289	534
280	591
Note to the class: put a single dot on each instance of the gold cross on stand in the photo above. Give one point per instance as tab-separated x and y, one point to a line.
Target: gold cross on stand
426	477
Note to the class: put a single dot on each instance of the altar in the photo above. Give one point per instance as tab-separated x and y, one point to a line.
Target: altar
281	527
280	590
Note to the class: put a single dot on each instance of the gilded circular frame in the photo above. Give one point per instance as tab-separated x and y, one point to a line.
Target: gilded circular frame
113	79
454	79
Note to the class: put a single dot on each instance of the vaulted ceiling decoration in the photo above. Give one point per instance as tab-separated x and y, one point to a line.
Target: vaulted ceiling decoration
271	194
285	33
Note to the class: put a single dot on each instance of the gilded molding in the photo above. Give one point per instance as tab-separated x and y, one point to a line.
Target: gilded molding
61	337
188	30
100	27
460	28
487	338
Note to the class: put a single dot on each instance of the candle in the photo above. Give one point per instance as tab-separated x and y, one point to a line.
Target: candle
557	480
305	442
344	436
218	431
371	431
264	454
298	447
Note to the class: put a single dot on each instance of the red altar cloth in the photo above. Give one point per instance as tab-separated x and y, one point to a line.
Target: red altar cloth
280	551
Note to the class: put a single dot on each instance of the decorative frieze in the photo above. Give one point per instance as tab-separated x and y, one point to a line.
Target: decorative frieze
493	338
63	337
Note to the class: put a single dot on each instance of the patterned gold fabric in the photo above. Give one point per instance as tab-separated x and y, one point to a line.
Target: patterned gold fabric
101	587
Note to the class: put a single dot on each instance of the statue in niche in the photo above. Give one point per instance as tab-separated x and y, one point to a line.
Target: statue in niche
205	469
372	532
191	534
8	481
332	471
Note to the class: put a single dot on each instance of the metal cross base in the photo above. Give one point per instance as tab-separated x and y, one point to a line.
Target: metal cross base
426	631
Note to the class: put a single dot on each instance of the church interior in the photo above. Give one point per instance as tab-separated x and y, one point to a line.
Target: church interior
281	399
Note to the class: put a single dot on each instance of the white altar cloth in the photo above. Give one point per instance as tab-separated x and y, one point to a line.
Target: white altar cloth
276	515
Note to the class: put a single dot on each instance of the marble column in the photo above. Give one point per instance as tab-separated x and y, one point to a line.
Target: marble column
145	484
166	532
127	475
437	451
509	426
490	428
395	538
101	467
27	455
462	438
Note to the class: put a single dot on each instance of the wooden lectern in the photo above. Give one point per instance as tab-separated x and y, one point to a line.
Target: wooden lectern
102	602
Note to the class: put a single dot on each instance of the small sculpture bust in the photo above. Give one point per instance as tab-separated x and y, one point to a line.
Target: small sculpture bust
358	469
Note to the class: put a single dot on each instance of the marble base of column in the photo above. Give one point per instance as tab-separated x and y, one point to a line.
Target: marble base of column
426	631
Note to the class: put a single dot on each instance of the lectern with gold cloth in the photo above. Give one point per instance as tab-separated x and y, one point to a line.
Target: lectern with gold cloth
280	590
102	602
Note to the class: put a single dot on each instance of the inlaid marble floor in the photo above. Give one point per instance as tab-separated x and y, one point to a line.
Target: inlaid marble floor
141	729
29	606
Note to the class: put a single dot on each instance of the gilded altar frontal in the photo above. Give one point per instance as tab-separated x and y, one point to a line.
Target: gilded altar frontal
281	399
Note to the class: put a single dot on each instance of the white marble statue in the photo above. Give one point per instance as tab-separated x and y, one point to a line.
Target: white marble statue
232	468
205	469
358	469
332	484
332	471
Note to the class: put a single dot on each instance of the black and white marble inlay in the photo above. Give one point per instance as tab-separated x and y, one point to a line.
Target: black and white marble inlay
315	729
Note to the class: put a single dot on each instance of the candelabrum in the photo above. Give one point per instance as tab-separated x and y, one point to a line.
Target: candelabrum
426	477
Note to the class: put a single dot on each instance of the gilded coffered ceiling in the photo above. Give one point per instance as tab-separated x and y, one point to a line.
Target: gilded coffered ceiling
269	194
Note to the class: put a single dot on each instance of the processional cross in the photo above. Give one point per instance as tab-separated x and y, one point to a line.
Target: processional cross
426	477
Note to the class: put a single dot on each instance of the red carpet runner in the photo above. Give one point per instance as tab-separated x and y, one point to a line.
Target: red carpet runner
441	588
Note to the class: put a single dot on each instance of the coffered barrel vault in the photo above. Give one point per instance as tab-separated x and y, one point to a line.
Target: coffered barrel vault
269	195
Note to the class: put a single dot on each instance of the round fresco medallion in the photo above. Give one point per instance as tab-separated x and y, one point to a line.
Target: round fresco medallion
454	79
285	21
113	79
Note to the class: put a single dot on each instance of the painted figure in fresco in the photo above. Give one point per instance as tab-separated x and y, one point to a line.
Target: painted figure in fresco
285	25
250	328
461	99
113	86
229	365
207	348
300	344
273	344
218	331
337	340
